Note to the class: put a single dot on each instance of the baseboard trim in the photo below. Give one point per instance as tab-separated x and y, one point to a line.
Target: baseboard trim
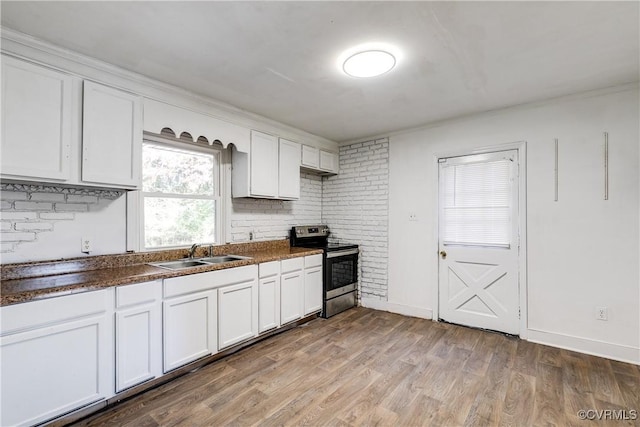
604	349
407	310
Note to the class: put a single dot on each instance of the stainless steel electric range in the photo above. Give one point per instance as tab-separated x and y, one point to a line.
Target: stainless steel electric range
340	274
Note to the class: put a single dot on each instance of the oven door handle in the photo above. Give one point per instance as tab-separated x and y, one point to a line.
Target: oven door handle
342	253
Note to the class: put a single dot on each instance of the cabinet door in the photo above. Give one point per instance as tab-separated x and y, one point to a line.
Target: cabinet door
237	313
264	165
111	136
312	290
269	304
138	345
55	369
310	157
291	296
289	170
328	161
37	114
189	328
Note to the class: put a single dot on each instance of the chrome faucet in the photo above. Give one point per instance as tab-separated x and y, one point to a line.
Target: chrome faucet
192	250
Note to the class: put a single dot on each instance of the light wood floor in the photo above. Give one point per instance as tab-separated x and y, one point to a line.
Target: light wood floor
366	367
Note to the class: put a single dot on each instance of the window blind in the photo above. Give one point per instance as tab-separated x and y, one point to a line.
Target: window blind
476	201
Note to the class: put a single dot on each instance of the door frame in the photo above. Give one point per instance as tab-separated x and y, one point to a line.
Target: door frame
521	148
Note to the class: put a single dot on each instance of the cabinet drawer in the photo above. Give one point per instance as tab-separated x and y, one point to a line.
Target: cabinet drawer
212	279
292	264
136	294
267	269
29	315
313	261
188	284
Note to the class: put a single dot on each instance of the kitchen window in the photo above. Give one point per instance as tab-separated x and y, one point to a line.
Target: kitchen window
180	201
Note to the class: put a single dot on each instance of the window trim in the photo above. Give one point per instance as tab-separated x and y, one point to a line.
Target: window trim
135	199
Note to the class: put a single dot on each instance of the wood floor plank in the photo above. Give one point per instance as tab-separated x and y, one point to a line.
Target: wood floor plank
488	403
629	386
358	408
365	367
421	412
550	355
603	382
578	394
526	360
548	406
518	409
458	400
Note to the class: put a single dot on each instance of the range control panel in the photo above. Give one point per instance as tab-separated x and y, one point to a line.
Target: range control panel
311	231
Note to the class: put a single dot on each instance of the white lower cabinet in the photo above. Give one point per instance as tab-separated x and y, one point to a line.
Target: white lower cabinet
291	290
192	322
237	313
312	283
138	333
269	296
189	328
56	355
60	354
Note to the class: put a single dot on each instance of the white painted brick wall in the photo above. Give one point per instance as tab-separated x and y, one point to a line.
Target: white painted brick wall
355	206
272	219
28	210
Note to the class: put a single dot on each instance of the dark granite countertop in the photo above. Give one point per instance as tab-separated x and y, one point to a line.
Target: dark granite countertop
45	279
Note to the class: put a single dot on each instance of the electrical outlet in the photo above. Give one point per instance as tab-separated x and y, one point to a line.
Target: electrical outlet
85	244
602	313
413	217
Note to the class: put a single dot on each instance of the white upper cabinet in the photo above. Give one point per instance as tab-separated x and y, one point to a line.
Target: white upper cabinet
316	160
42	113
271	170
328	162
264	165
111	136
310	157
37	113
289	170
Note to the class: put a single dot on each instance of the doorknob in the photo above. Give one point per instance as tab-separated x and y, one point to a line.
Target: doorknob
443	254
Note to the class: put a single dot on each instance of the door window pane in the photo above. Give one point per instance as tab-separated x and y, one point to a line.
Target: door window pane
477	200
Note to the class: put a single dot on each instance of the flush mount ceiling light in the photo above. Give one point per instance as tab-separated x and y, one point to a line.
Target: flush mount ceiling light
368	60
370	63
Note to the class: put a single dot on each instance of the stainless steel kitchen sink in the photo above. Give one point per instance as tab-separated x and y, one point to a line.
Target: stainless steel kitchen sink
222	258
198	262
179	265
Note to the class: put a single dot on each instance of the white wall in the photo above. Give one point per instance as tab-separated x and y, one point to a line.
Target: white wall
583	251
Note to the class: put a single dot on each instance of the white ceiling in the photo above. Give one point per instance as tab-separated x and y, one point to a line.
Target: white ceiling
278	59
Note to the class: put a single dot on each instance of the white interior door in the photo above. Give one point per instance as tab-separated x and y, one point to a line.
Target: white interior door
479	241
